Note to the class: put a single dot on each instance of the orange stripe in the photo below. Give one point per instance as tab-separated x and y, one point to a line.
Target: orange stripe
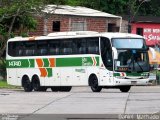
52	62
39	62
43	72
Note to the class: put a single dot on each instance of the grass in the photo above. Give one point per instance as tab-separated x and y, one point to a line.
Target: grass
3	85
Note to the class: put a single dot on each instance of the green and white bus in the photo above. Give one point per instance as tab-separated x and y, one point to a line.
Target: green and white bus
82	58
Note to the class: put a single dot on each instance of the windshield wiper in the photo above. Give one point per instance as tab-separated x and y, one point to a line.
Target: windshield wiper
133	61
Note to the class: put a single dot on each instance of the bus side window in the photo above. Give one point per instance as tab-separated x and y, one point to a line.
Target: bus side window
81	46
42	48
30	48
12	48
93	45
20	49
67	47
54	46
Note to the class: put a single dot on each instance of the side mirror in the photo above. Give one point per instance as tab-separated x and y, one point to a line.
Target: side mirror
115	53
153	52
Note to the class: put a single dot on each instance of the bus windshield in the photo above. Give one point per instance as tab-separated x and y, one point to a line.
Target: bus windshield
128	43
132	55
132	61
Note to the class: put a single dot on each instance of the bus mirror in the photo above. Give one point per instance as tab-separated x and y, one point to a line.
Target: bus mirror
115	53
153	52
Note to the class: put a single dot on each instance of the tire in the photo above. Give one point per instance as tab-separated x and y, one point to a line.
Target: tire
43	89
36	84
27	85
125	88
55	88
61	88
94	84
65	88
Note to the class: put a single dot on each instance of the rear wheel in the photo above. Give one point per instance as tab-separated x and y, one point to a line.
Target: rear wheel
36	84
125	88
61	88
42	89
94	84
27	85
65	88
55	89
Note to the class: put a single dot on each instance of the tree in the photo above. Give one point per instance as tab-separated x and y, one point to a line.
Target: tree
16	16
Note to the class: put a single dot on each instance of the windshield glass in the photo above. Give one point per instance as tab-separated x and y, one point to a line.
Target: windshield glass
123	43
132	61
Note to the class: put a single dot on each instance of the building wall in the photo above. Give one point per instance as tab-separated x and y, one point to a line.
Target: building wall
40	27
72	23
124	26
150	31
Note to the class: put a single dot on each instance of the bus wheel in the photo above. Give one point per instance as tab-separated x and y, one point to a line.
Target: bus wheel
93	82
65	88
36	83
42	89
27	84
55	88
125	88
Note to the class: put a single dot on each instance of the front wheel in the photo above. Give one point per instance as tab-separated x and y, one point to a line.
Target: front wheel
125	88
94	84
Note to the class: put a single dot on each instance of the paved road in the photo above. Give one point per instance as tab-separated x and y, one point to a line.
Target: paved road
81	101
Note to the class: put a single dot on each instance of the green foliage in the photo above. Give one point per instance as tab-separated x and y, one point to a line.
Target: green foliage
16	17
117	6
3	84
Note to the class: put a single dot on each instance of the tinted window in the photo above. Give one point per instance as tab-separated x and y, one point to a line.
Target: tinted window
42	48
93	45
81	46
106	53
29	49
66	47
54	47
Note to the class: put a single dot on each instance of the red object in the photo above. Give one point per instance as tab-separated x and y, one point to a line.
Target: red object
151	32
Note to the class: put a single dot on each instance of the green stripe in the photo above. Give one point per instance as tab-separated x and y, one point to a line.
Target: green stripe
66	62
60	62
49	70
46	62
22	63
31	62
97	59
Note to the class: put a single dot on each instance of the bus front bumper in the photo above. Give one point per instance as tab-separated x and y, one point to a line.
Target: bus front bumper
132	82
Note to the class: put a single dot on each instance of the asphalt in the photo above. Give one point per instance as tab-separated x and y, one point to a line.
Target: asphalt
81	103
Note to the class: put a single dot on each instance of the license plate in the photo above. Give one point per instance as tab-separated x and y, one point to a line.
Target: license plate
133	82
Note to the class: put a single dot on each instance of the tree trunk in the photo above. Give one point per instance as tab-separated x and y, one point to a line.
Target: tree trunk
9	33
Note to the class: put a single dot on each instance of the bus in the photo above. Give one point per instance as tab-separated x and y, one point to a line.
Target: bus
62	60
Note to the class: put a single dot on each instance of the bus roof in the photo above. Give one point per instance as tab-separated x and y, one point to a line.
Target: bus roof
77	34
